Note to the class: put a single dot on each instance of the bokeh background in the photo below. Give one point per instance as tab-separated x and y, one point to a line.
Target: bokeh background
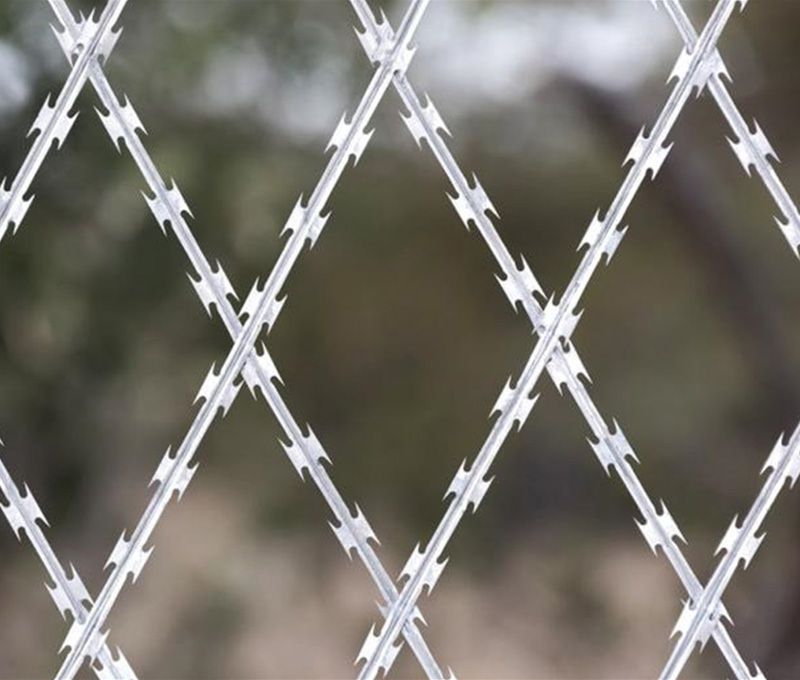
396	340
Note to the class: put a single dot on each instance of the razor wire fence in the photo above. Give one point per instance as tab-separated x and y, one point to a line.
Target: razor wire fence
88	43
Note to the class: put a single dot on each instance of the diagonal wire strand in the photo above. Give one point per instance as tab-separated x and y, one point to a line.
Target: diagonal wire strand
515	403
566	369
67	590
220	389
88	41
214	289
54	120
751	144
739	544
51	127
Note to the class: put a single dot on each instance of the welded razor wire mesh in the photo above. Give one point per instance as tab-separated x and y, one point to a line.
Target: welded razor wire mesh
550	317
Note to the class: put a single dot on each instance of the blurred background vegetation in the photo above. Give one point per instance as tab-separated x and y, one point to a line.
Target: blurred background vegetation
396	340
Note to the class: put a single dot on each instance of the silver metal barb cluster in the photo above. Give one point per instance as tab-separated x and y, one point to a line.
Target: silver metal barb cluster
88	43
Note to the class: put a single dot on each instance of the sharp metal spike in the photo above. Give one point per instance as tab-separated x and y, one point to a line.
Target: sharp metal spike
686	618
517	404
168	205
131	560
737	542
49	115
473	205
403	59
596	231
92	646
784	460
88	29
519	284
306	452
417	616
753	148
660	530
428	124
707	68
208	390
13	208
254	300
717	68
353	531
791	230
300	221
117	669
213	287
23	512
260	370
460	483
169	469
64	598
642	148
566	367
68	42
376	38
567	322
370	647
341	135
123	120
107	43
681	626
433	568
613	448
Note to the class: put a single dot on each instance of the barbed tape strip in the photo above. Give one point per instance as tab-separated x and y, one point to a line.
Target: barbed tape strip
613	450
96	39
53	123
659	529
351	528
220	388
471	202
67	590
468	488
751	145
214	290
739	544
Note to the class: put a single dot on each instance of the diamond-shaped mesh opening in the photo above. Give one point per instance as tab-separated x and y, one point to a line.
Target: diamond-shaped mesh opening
393	319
